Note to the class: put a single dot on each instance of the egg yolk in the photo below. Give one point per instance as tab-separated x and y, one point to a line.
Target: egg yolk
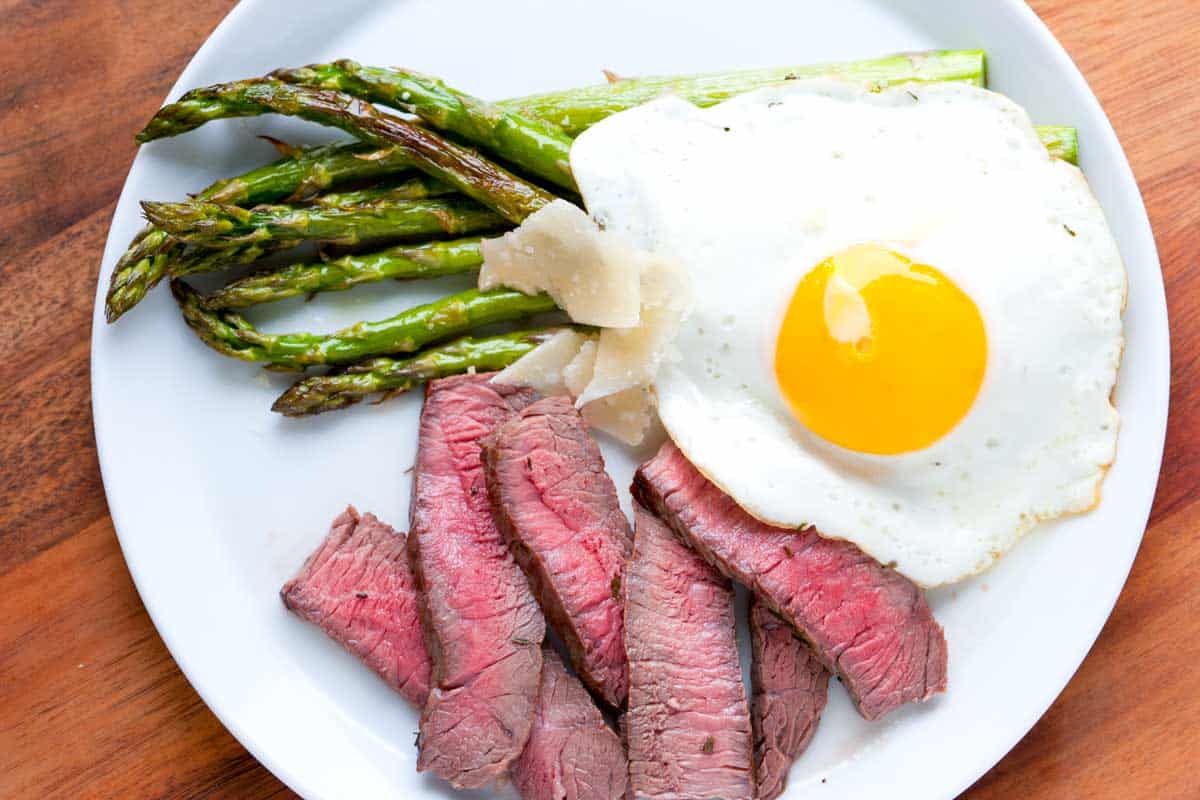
879	354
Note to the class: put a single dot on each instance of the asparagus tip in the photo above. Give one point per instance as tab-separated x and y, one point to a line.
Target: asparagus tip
171	217
304	399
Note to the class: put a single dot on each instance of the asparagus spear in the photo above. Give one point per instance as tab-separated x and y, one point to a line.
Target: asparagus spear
194	259
515	137
307	172
462	168
300	175
215	225
390	376
410	330
156	255
1061	141
428	260
575	110
416	187
180	258
534	144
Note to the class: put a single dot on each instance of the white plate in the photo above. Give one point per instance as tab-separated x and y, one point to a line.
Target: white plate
217	501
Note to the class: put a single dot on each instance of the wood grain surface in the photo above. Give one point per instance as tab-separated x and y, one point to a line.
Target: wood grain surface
91	703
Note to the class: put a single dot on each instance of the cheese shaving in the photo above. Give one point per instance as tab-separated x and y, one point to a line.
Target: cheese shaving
578	372
560	250
638	300
624	415
630	357
544	367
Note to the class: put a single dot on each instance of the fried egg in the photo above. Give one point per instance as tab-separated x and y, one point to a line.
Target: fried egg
905	320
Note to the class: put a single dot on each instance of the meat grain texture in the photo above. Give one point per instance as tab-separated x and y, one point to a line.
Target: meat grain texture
482	625
558	509
868	624
358	589
571	754
688	725
790	690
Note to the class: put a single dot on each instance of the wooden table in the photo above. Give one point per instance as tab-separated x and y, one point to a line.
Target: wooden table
91	704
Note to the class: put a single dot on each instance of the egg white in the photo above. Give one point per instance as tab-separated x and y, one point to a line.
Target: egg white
753	193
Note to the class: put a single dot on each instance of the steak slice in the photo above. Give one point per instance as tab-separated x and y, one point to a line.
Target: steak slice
688	726
571	754
358	589
481	622
790	690
558	508
867	623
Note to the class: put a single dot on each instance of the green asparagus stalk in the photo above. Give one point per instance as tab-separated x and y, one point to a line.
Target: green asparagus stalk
231	334
179	258
517	138
308	172
214	225
576	110
428	260
514	136
157	255
1061	142
193	259
466	170
535	145
137	271
416	187
298	176
391	376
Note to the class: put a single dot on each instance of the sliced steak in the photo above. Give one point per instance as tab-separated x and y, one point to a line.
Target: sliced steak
867	623
688	725
482	624
558	509
571	754
790	690
357	587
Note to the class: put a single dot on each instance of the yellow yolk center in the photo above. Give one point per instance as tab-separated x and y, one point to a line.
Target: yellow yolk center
878	354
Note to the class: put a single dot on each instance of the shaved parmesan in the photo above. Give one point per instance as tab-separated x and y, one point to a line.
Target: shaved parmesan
630	357
626	415
578	373
543	368
560	250
638	299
